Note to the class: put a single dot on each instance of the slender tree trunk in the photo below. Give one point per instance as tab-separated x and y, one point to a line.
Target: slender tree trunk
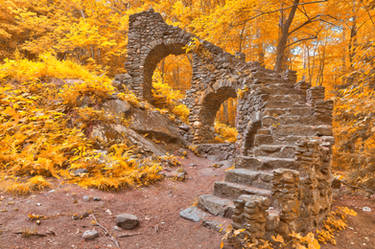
284	36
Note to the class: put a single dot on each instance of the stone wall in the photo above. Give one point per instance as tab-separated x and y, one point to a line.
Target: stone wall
217	75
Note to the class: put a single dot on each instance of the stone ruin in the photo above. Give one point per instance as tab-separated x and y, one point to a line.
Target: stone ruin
282	176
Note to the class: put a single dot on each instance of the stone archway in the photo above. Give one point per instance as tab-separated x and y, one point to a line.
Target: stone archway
152	60
210	104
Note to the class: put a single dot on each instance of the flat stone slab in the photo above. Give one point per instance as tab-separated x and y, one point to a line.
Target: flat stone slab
192	214
216	205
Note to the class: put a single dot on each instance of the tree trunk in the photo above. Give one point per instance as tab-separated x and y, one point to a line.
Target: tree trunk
284	36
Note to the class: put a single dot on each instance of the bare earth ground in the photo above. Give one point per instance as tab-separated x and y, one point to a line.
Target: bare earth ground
156	206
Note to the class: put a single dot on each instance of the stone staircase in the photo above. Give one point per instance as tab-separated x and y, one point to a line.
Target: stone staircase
287	117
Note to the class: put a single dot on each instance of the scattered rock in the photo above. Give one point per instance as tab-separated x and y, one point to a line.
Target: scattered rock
127	221
336	183
108	211
213	225
225	164
117	106
181	152
193	165
366	209
184	127
90	234
192	214
97	198
86	198
179	174
80	172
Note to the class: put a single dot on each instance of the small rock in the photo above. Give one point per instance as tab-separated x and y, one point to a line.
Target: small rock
108	211
179	174
90	234
127	221
366	209
97	198
184	127
193	165
86	198
39	204
213	225
336	183
192	213
116	228
80	172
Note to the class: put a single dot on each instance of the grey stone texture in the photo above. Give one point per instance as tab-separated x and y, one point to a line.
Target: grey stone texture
127	221
282	176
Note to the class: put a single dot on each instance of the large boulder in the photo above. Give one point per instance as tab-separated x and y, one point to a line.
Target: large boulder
156	125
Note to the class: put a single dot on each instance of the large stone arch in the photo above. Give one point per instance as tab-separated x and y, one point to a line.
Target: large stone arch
159	52
151	39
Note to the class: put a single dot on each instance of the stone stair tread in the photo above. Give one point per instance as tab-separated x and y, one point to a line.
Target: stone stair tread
234	190
268	159
249	177
250	172
216	205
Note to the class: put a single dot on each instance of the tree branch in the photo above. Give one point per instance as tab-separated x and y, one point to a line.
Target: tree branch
303	39
117	244
281	9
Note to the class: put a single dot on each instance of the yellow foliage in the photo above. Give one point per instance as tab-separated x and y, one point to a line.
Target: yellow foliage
225	133
165	97
38	140
336	221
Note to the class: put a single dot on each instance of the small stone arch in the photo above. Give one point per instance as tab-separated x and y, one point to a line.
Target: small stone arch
209	105
251	131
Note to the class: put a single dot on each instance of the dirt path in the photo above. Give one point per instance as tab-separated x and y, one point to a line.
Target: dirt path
157	207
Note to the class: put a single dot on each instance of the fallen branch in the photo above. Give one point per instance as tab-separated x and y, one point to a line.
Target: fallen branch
106	232
126	235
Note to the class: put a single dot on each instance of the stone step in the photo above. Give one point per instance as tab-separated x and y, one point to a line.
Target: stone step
297	130
300	98
272	90
264	131
234	190
292	140
216	205
276	103
264	162
254	178
277	162
290	111
275	150
302	130
269	121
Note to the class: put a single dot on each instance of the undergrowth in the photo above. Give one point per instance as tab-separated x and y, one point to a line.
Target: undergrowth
168	99
43	121
225	133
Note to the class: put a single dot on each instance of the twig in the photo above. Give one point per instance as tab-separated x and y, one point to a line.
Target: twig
106	231
128	235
